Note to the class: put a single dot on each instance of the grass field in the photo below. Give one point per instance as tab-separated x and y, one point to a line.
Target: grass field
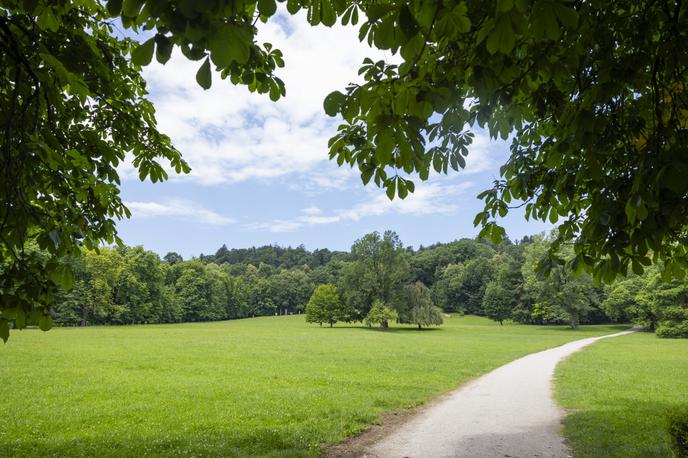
270	386
618	393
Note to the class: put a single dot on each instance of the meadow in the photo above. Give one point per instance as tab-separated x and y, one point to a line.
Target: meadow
272	386
619	393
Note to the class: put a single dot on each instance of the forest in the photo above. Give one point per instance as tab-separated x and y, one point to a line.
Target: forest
377	281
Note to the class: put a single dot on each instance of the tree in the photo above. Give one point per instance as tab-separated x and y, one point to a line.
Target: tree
419	308
379	265
497	302
561	296
173	257
200	292
461	287
290	290
595	107
72	106
447	290
380	314
325	306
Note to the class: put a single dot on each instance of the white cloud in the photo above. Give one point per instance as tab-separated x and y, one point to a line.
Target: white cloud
180	209
229	135
429	198
313	210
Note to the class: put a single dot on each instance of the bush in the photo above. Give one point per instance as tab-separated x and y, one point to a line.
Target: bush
673	330
678	430
380	314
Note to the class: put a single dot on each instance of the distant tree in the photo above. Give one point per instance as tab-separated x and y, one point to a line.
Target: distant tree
460	287
447	292
423	311
201	293
140	287
498	302
103	269
378	267
173	257
561	296
325	306
427	262
290	290
380	314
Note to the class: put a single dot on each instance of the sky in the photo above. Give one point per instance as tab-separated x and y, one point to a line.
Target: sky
260	169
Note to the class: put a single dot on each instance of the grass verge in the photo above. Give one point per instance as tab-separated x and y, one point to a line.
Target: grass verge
619	393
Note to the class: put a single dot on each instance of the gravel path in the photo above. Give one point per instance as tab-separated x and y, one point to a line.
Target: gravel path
508	412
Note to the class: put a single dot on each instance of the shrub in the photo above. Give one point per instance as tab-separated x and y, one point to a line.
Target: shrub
380	314
673	330
678	430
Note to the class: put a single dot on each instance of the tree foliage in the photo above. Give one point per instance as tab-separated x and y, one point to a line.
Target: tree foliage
421	310
380	314
325	306
377	269
498	302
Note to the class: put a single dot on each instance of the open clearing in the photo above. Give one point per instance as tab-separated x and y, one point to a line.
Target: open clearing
266	386
618	393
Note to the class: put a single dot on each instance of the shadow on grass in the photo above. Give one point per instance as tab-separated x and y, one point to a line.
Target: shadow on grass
264	442
582	328
621	428
391	330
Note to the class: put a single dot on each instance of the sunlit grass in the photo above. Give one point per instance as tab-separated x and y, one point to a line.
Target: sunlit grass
258	387
619	392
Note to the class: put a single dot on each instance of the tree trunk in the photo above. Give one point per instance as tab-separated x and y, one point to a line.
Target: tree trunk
331	323
419	326
84	316
384	325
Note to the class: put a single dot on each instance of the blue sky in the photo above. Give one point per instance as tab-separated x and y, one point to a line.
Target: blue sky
260	169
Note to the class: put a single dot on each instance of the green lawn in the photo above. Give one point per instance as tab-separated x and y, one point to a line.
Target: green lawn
618	393
270	386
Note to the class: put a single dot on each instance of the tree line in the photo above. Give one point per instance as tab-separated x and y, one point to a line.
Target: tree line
378	281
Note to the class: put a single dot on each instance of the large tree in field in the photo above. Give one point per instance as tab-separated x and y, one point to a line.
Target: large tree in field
379	265
594	95
325	306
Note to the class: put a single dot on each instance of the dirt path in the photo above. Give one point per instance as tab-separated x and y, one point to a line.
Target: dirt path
508	412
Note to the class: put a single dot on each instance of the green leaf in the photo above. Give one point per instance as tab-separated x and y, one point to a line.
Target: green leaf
391	188
267	7
131	8
502	37
45	322
203	76
114	7
231	44
55	237
20	320
163	49
143	53
293	6
327	13
4	330
333	103
48	21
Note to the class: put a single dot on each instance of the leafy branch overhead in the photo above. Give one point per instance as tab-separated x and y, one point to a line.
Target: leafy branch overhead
592	95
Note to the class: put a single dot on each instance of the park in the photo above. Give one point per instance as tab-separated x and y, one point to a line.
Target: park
344	228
